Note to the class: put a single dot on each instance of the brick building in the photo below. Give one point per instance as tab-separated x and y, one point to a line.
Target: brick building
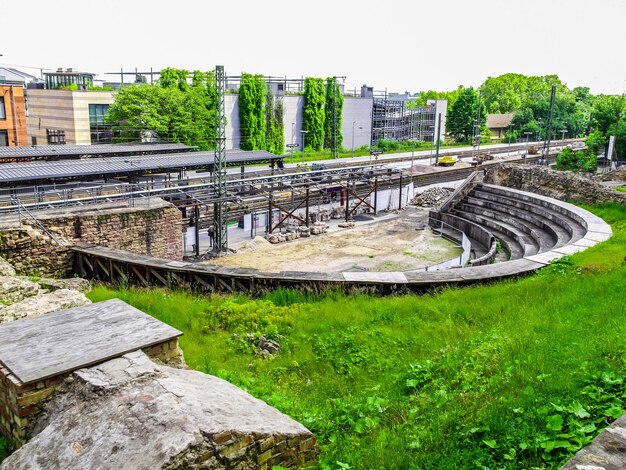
12	116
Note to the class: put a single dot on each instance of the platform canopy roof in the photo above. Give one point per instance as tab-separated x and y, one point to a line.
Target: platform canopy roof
95	168
52	152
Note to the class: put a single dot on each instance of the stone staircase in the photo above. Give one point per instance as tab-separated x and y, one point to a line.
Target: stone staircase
525	224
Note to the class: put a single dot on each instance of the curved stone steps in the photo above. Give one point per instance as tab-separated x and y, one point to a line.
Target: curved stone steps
559	235
539	237
536	204
513	241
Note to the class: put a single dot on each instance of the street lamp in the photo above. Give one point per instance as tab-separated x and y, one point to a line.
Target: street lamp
304	133
353	123
508	153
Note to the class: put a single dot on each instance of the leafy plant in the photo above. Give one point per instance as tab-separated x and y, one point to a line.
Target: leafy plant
313	112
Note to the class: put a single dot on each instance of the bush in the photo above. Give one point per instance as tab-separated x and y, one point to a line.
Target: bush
569	160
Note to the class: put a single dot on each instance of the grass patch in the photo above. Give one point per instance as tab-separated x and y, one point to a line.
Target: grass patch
516	374
6	447
621	189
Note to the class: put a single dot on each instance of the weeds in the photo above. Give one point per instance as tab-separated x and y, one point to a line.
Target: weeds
517	374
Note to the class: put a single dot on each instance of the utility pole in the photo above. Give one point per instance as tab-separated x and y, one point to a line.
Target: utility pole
438	139
546	144
477	136
220	207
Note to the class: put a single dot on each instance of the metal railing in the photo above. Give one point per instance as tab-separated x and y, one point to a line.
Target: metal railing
30	216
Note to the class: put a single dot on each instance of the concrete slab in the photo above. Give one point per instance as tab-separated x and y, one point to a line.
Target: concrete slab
546	257
34	349
383	277
570	249
597	236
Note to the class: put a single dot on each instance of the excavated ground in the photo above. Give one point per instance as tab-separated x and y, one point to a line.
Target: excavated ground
395	242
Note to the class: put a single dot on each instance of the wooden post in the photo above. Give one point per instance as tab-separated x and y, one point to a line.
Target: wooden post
269	214
400	195
196	228
375	196
306	217
347	201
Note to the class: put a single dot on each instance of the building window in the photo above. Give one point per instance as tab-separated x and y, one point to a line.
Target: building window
3	112
97	113
4	139
55	137
101	131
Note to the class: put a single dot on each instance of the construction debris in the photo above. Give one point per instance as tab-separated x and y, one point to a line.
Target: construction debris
432	197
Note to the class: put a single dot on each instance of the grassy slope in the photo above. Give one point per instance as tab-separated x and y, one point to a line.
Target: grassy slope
512	375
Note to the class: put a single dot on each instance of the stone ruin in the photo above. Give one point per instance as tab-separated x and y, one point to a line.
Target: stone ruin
132	413
106	386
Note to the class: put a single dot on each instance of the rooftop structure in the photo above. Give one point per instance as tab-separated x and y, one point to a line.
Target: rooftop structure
68	77
11	76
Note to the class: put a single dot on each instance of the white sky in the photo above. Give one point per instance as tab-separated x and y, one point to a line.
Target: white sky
399	45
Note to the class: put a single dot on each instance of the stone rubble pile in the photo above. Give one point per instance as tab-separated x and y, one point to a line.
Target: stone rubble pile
22	297
316	228
346	225
432	197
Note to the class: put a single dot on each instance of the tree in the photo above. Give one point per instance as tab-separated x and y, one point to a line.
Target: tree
174	78
274	133
313	112
252	117
595	142
328	112
462	116
605	112
450	96
175	110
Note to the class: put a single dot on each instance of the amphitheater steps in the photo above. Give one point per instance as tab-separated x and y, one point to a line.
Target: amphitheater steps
557	234
543	237
513	241
534	206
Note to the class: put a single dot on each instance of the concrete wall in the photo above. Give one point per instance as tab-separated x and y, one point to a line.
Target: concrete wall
354	109
441	106
231	108
150	228
15	120
62	110
357	110
292	118
81	102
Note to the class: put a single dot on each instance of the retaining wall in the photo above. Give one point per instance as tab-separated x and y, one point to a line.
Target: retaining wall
152	227
563	185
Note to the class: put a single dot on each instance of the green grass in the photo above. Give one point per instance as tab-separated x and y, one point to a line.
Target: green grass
622	189
404	147
517	374
6	447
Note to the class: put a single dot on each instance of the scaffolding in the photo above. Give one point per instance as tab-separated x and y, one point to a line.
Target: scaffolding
399	121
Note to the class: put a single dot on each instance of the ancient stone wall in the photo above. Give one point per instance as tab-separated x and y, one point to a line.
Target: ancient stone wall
563	185
152	227
21	404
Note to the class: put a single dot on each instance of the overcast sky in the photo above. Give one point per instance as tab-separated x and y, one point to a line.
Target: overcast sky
402	46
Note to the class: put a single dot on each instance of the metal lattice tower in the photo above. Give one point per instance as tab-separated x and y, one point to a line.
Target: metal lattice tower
546	143
335	130
220	207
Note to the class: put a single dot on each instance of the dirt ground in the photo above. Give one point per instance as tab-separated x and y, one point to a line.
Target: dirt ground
397	243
